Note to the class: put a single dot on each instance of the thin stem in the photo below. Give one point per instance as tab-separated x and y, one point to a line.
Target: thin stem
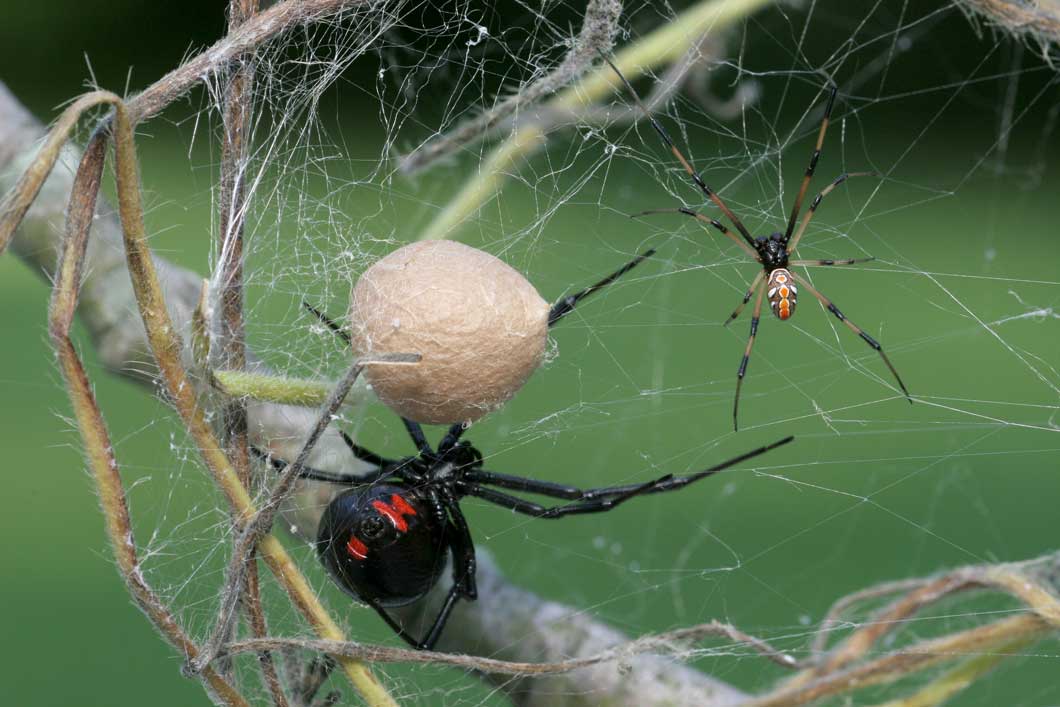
669	642
90	421
230	331
166	347
920	656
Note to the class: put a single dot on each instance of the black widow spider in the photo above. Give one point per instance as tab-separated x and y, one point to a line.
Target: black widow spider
774	281
385	540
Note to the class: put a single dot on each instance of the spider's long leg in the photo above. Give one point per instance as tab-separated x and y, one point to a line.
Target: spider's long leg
452	436
365	455
462	551
707	191
794	243
814	263
319	475
598	505
519	483
566	304
436	628
604	499
856	329
463	548
328	322
812	166
746	298
707	220
418	438
747	354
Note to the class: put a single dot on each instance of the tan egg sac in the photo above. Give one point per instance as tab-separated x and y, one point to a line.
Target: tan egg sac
480	326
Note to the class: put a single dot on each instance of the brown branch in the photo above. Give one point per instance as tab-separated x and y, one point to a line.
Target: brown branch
671	642
907	661
229	333
90	421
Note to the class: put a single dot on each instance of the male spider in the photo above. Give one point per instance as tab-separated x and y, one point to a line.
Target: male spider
385	540
774	281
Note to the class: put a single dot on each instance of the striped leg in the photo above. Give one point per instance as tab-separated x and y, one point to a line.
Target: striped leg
747	354
856	329
707	220
813	263
707	191
794	243
812	166
567	304
747	297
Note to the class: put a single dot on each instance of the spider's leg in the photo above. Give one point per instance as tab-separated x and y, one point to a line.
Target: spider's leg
328	322
597	505
814	263
436	628
707	191
365	455
856	329
794	243
566	304
519	483
747	354
463	548
418	438
746	298
319	475
707	220
604	499
452	436
812	167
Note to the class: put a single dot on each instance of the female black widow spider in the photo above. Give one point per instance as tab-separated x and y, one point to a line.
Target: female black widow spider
385	540
774	281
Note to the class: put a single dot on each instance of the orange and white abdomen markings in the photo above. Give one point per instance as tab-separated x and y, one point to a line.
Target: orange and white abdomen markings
782	293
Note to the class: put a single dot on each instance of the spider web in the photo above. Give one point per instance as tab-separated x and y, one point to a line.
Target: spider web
958	120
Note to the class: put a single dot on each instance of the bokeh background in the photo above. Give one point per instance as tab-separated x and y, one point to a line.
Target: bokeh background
960	118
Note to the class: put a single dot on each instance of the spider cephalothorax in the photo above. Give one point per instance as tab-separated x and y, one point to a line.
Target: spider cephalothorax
771	252
386	539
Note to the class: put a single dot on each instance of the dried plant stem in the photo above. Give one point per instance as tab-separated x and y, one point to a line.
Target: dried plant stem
229	335
93	428
275	21
166	347
242	552
957	679
674	642
920	656
662	46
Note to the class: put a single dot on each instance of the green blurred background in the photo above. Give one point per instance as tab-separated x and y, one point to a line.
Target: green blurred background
964	297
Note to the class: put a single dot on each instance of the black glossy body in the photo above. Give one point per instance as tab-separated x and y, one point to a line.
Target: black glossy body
383	544
385	541
772	251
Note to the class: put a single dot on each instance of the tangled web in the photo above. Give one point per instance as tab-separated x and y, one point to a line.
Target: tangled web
365	132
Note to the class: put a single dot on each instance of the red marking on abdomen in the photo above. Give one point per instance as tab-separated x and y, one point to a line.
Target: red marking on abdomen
356	548
782	293
396	513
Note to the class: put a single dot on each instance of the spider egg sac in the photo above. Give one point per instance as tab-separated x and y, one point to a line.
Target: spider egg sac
479	325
